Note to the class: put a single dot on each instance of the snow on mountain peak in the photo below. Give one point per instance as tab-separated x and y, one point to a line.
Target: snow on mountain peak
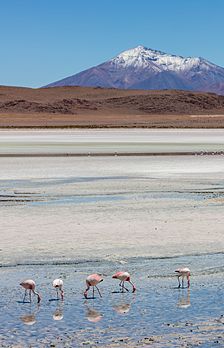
141	57
137	57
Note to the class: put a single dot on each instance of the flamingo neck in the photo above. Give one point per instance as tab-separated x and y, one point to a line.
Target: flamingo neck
38	296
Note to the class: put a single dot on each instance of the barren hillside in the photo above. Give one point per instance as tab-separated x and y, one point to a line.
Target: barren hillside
100	107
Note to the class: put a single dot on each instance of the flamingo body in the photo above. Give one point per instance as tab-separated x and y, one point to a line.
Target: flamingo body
30	285
93	280
183	273
124	277
58	285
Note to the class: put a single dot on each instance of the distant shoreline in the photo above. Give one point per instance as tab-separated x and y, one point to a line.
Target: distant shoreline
113	154
209	126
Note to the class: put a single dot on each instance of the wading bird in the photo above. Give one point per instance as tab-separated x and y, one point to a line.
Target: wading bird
124	277
183	272
58	284
30	285
93	280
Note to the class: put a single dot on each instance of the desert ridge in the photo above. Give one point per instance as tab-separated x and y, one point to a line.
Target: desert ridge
94	107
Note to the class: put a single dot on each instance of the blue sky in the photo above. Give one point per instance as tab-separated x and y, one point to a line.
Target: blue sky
45	40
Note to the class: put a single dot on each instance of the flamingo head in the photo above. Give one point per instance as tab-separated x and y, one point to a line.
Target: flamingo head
62	294
134	289
38	298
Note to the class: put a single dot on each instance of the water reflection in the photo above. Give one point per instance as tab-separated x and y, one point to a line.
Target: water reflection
30	318
93	315
122	308
184	299
58	313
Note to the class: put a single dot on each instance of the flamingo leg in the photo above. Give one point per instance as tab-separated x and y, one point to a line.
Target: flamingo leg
125	287
24	296
133	287
178	281
182	282
57	293
99	291
188	282
30	296
93	292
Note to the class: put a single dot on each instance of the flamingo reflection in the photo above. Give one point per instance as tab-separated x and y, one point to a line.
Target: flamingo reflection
122	308
29	318
184	299
58	313
93	315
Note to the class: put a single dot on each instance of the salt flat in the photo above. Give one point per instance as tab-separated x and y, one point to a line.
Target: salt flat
110	207
101	141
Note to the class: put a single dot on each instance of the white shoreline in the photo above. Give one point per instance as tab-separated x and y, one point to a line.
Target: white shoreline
110	142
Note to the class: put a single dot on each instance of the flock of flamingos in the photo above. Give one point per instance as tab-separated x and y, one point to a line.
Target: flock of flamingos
94	279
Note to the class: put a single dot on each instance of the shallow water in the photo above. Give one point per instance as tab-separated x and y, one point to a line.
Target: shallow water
157	311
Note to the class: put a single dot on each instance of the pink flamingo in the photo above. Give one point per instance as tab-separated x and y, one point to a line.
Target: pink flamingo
93	280
30	285
58	284
183	272
124	277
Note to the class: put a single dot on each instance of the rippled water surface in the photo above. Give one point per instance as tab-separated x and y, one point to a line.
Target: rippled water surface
158	310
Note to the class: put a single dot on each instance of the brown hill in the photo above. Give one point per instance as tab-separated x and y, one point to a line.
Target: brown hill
100	107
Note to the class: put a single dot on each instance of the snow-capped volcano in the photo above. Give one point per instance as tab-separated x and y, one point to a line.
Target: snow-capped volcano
142	57
144	68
